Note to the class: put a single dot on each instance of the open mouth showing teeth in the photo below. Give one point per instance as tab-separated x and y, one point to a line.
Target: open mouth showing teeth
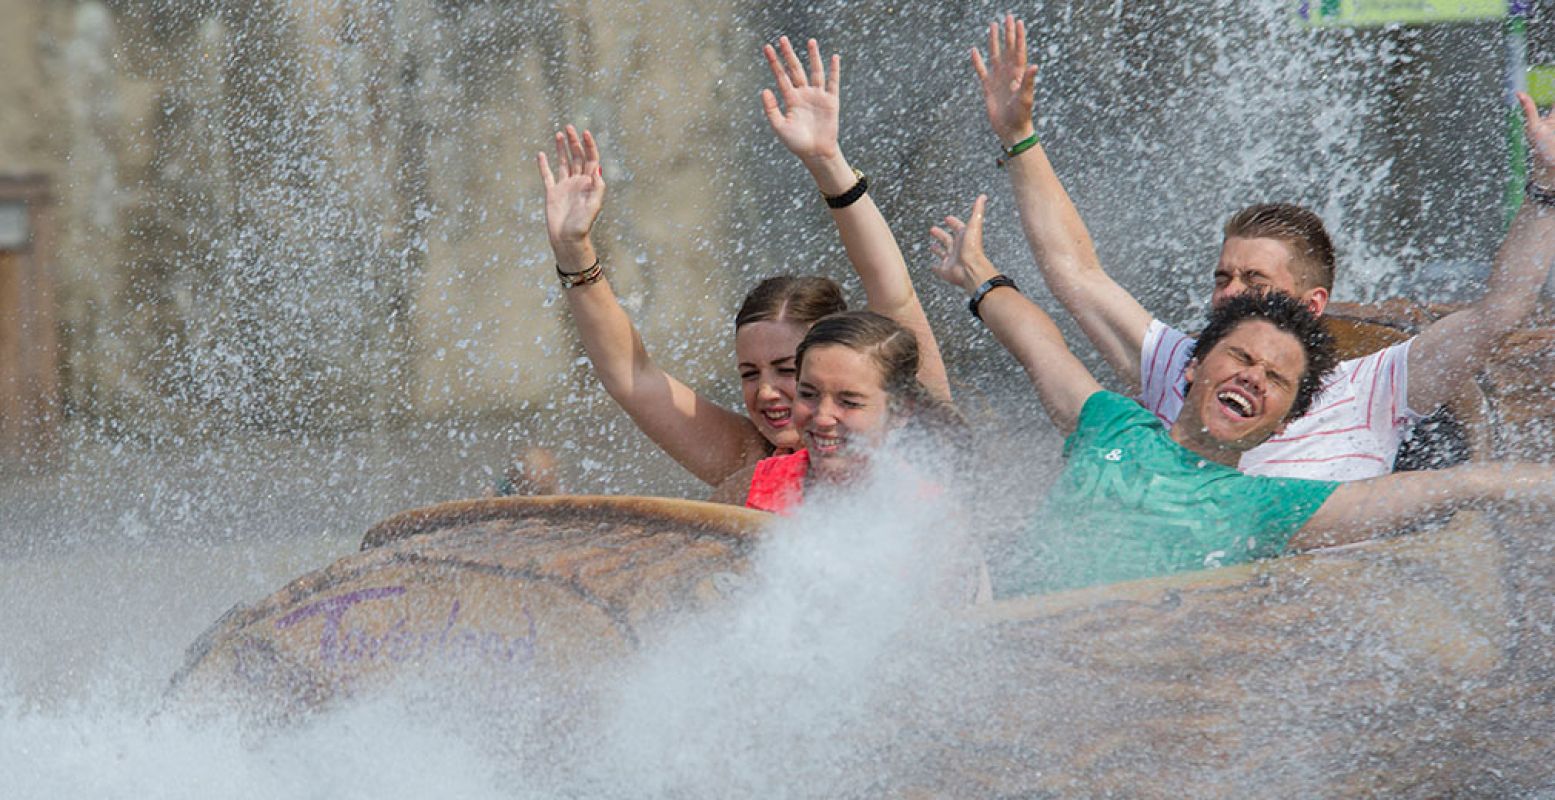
1239	405
827	442
777	414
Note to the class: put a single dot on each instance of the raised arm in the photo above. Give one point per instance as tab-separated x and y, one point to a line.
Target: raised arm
1452	349
1108	315
710	441
806	122
1063	383
1360	510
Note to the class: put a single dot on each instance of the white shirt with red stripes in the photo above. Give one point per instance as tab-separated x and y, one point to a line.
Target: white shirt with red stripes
1352	431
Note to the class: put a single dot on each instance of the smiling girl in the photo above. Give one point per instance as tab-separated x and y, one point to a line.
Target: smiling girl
857	385
708	440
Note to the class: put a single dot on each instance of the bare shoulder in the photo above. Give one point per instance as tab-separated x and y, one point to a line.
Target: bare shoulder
734	488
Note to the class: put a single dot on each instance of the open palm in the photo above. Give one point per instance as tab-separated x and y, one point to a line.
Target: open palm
1009	83
806	121
575	193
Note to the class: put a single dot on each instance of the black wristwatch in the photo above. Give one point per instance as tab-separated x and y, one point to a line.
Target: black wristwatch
851	196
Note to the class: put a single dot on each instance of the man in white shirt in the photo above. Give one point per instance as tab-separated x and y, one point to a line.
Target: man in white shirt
1356	425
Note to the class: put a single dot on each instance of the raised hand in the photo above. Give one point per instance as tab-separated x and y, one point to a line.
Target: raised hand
1009	83
574	197
806	121
960	250
1541	141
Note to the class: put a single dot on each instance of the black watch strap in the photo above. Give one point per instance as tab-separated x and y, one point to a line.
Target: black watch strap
988	286
852	195
1542	195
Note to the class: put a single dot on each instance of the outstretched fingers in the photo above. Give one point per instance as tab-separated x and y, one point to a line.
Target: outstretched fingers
563	155
945	245
958	247
590	153
1532	122
769	106
817	66
546	177
796	74
1530	110
578	161
576	154
979	66
969	233
790	72
941	244
1540	132
978	207
778	72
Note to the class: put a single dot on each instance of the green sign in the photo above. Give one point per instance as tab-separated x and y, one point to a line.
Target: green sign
1541	85
1360	13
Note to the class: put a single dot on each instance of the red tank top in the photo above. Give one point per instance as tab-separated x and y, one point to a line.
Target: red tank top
778	483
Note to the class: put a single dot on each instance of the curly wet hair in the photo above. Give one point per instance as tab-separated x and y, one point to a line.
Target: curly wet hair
1285	313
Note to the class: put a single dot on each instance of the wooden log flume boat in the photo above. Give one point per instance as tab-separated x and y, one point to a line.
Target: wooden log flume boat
1419	665
1422	665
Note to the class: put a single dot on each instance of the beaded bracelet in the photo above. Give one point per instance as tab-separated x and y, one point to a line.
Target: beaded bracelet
590	274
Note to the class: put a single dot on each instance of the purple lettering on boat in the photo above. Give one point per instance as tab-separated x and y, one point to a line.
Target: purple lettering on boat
402	642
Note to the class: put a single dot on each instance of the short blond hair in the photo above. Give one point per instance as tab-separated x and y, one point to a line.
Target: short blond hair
1298	228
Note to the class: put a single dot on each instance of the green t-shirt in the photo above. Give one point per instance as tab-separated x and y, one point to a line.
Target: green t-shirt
1131	503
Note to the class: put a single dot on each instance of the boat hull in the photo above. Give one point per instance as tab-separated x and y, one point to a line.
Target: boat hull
1414	666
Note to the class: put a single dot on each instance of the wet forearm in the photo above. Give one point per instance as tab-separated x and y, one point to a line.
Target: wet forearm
1521	267
1362	510
607	333
866	237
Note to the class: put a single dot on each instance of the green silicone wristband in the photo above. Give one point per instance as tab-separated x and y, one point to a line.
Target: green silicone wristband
1016	149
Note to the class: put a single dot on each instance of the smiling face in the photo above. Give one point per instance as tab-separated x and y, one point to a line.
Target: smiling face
1262	265
844	409
1241	392
765	351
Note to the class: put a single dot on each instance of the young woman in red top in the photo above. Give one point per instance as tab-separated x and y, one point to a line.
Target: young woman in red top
857	384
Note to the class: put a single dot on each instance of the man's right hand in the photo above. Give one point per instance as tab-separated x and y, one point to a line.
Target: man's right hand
1009	83
573	198
1541	141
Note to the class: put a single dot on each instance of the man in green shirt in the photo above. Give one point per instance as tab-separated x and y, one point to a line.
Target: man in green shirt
1137	499
1132	503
